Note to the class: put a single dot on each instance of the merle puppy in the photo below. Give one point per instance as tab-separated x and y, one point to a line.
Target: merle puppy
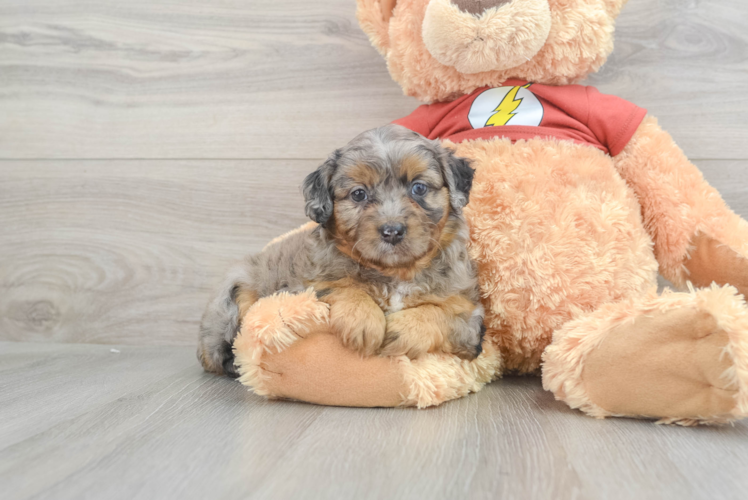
388	254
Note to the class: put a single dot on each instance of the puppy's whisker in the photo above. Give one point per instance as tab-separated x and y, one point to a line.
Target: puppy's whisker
441	248
353	253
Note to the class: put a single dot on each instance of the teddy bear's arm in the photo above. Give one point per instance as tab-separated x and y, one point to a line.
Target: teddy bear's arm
286	350
696	236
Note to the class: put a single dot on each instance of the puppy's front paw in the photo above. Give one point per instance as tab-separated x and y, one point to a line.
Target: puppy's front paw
466	341
360	325
417	331
410	333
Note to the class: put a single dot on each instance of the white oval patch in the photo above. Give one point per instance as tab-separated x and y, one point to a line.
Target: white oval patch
506	106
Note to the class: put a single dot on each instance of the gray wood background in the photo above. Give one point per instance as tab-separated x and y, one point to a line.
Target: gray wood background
145	145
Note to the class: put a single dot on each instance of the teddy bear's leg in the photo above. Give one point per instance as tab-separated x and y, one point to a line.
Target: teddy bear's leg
286	350
697	237
680	357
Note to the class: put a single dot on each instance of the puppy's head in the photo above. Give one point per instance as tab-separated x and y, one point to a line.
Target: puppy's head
388	197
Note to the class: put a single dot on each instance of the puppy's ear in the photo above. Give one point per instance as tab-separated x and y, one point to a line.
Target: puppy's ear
318	191
459	176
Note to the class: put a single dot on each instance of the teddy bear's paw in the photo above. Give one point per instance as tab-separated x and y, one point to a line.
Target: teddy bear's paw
710	260
279	320
271	326
320	369
685	362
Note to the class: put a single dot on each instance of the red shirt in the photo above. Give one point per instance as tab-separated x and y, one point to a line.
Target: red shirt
521	110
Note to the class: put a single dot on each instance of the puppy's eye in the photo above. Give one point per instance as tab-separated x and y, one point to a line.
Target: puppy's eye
358	195
419	189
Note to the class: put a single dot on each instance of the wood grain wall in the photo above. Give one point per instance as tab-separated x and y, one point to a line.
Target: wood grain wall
146	145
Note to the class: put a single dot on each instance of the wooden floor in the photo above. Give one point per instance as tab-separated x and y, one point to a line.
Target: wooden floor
81	421
147	144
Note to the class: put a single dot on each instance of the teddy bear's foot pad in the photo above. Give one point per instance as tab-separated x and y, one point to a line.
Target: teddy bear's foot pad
671	363
679	357
681	364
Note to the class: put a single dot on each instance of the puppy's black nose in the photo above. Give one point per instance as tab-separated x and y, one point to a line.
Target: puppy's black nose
392	232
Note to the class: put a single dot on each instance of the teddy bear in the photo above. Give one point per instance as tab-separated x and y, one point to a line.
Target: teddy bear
579	200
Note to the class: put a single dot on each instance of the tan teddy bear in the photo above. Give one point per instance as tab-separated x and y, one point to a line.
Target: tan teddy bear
579	199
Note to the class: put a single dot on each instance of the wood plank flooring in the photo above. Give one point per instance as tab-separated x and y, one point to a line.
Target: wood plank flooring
80	421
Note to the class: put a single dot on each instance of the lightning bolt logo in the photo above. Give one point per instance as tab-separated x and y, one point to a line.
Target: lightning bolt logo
506	109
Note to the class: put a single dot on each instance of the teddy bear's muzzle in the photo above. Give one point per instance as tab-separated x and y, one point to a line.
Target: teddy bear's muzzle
477	7
475	36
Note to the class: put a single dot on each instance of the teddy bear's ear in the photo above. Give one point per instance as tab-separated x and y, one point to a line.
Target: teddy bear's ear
374	18
615	6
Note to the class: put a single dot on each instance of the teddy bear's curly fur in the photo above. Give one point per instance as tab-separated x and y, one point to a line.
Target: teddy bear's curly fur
569	241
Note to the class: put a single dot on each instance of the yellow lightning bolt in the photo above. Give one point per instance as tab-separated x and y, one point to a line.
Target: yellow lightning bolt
505	110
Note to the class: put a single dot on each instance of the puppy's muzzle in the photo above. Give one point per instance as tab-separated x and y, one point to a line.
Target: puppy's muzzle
392	232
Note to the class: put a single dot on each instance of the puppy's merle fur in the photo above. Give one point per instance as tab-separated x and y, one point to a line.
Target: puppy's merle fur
388	254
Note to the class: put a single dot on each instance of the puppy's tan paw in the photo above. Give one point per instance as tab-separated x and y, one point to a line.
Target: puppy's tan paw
360	325
411	332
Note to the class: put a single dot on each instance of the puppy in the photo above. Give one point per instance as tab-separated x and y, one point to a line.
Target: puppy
388	254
